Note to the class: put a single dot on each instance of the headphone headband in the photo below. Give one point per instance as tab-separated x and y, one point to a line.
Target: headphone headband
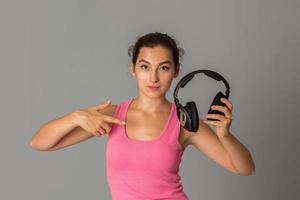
191	75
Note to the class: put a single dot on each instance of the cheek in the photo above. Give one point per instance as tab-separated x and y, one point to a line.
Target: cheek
141	81
142	78
167	78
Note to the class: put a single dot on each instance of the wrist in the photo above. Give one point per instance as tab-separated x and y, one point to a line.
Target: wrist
225	136
73	117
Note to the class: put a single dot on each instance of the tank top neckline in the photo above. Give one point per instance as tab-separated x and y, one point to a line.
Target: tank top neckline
162	133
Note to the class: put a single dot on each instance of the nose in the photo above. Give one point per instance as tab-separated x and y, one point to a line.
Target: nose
154	76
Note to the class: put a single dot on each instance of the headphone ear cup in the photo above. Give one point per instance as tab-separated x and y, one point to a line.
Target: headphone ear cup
193	119
182	115
217	101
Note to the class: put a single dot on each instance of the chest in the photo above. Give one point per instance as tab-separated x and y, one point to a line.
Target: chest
148	145
145	127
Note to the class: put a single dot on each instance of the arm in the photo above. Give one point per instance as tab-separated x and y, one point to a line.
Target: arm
53	131
206	141
239	154
65	131
227	151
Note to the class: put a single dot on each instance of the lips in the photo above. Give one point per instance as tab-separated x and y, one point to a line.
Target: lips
153	86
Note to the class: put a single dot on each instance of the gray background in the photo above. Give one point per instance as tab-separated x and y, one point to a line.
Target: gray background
57	56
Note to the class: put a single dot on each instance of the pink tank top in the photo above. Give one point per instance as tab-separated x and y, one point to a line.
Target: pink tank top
144	170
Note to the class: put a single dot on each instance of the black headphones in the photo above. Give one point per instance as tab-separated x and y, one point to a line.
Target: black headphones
188	114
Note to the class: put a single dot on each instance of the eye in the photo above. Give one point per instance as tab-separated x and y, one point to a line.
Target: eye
165	68
142	66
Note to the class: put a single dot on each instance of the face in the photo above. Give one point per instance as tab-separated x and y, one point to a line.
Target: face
154	67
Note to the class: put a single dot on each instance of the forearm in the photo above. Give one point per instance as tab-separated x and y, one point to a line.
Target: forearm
51	132
240	156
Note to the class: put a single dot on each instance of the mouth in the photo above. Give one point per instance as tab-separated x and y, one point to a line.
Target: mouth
153	87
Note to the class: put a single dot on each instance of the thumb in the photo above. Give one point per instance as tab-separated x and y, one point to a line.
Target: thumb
102	105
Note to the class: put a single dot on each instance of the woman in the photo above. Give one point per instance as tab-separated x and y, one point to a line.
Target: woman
145	139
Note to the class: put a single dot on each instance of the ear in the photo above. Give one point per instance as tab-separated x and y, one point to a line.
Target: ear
177	71
132	69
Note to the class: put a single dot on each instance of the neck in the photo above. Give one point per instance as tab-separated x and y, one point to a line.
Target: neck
150	105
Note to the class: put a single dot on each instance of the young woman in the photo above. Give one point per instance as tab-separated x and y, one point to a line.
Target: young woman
145	141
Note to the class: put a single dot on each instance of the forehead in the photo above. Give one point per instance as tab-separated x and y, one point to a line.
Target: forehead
158	53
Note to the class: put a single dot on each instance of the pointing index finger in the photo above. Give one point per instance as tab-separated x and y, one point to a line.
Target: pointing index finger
114	120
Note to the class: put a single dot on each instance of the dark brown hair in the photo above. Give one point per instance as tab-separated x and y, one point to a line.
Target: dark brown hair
155	39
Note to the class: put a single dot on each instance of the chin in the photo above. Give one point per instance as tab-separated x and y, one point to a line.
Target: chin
156	95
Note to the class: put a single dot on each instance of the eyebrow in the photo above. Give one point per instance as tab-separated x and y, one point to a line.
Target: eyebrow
164	62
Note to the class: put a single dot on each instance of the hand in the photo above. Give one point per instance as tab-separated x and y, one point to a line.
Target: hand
223	126
95	122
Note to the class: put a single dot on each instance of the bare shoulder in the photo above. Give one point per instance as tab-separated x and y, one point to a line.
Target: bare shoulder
187	137
110	111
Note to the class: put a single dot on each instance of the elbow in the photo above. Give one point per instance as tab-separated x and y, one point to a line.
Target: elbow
249	172
246	173
37	146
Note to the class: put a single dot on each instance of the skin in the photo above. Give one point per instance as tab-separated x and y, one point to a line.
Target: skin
150	69
148	113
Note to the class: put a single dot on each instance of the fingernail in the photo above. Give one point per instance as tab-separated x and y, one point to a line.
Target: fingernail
123	122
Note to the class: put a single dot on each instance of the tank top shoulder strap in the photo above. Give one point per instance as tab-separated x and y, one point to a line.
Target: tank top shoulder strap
116	130
121	109
173	130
